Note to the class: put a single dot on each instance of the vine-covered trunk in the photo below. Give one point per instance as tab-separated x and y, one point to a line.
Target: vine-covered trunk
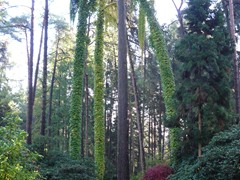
99	121
78	75
167	79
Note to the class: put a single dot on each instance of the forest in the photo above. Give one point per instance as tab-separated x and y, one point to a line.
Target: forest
112	93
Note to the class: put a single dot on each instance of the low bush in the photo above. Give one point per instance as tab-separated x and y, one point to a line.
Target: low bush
159	172
220	159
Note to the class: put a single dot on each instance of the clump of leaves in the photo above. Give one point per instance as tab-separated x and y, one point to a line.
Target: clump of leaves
16	160
159	172
220	159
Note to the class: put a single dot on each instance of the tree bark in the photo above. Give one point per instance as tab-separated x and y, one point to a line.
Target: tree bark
38	61
30	76
51	89
44	83
200	134
123	124
235	60
137	106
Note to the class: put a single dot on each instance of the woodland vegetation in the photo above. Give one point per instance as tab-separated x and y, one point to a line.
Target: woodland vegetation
121	96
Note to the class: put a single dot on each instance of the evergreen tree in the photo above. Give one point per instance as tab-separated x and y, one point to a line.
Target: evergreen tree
204	90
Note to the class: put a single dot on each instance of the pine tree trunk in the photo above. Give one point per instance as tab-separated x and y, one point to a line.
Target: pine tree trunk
44	82
51	90
154	135
138	113
38	61
235	60
163	141
123	124
149	134
200	134
160	136
30	76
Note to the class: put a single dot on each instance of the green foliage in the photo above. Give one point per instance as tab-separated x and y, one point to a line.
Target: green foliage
167	78
16	160
137	177
59	166
204	88
99	121
141	28
220	160
159	46
78	74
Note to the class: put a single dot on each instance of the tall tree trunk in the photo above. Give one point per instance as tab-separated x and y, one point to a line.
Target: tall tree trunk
30	76
149	134
137	106
235	60
200	133
87	114
44	82
154	135
163	141
167	78
51	89
38	61
131	144
123	124
160	136
99	122
78	75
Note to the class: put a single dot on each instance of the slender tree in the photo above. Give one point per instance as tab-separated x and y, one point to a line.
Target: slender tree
235	59
38	61
78	74
167	78
138	113
30	76
99	122
122	156
44	81
51	88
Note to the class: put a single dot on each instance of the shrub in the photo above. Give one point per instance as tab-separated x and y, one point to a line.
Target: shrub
220	159
159	172
57	165
16	160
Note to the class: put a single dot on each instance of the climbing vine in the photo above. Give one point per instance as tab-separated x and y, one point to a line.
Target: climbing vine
141	28
77	90
159	46
167	78
99	126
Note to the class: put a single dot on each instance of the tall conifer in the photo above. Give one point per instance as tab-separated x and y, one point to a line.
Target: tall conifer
204	91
